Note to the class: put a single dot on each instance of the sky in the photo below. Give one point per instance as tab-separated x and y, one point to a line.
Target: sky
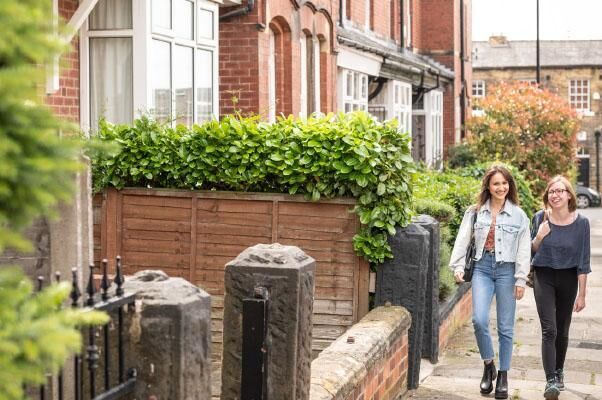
516	19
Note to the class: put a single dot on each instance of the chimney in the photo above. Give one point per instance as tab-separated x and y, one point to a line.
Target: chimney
498	40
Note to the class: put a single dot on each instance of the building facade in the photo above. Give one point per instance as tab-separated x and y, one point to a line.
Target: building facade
570	69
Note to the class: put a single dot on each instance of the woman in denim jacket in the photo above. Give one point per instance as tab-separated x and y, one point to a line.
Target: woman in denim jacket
503	254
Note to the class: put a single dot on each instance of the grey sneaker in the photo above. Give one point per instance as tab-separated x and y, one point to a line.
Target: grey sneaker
551	392
560	379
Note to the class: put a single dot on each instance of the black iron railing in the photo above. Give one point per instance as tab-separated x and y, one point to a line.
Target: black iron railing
98	383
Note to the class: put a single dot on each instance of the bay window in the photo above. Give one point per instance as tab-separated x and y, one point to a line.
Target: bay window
156	57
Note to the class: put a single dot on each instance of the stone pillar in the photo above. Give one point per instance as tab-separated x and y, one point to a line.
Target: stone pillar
288	275
430	339
170	337
402	281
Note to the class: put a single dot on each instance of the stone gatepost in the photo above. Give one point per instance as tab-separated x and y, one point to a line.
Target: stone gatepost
430	339
402	281
170	337
284	275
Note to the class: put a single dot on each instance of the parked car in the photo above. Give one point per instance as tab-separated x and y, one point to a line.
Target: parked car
587	197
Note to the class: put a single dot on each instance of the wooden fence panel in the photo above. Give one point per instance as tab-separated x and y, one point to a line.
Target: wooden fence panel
193	234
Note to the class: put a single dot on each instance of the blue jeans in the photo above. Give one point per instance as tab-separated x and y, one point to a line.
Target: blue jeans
489	279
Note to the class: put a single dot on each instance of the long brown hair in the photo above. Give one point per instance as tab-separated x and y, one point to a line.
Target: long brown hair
567	186
484	195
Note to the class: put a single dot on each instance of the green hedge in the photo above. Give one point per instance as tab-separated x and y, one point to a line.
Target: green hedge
327	156
444	196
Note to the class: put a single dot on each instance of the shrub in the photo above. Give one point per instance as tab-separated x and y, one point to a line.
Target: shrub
460	156
456	191
325	156
528	127
445	196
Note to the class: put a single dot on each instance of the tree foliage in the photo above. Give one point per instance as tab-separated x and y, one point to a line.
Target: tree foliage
321	157
36	335
36	164
528	127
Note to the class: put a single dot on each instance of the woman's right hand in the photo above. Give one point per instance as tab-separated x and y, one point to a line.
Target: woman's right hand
543	231
459	276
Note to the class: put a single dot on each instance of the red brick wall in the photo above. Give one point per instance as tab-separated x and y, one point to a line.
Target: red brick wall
438	35
456	318
388	377
244	56
65	102
239	64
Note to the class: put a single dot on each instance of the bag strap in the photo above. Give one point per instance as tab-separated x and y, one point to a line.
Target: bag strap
474	221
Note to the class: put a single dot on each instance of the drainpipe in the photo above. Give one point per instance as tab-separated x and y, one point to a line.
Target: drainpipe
244	10
401	36
462	74
341	12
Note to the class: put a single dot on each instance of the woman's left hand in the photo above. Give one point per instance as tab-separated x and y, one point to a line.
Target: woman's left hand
519	291
579	303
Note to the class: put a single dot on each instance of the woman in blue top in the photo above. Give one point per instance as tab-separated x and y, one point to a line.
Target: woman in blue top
503	251
561	245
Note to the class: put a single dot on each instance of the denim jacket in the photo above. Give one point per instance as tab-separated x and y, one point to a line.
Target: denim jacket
512	238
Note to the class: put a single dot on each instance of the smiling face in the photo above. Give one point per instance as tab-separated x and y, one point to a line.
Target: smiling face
498	187
558	196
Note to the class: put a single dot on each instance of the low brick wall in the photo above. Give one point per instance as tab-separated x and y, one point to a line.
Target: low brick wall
454	314
369	361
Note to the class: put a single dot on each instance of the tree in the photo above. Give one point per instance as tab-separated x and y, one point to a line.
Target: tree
529	127
36	167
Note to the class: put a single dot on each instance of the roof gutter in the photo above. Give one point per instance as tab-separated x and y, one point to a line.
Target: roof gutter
244	10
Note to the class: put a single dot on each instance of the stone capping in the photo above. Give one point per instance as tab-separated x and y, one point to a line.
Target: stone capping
343	367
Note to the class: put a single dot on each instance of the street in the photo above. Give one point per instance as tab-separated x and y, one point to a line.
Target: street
459	370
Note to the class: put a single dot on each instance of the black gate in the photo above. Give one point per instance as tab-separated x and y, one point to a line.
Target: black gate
112	381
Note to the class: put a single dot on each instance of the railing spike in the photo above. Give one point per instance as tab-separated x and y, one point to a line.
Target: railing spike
105	284
40	282
90	290
119	279
75	292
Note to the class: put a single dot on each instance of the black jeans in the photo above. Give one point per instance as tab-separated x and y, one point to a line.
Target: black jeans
555	293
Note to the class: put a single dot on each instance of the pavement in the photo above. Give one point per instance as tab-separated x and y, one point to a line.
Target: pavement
457	374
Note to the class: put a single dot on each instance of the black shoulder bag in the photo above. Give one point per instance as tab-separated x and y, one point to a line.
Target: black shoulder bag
471	251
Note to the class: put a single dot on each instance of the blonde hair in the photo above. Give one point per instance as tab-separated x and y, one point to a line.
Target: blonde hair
567	186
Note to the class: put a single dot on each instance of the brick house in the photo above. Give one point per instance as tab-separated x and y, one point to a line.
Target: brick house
376	55
187	61
571	69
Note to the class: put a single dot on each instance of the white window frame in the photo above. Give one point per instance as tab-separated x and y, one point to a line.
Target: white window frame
142	35
400	94
304	83
579	105
357	98
272	77
434	128
478	88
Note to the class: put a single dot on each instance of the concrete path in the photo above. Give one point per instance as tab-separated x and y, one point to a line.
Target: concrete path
457	375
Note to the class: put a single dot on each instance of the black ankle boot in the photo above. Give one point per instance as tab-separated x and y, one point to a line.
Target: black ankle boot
488	377
501	386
